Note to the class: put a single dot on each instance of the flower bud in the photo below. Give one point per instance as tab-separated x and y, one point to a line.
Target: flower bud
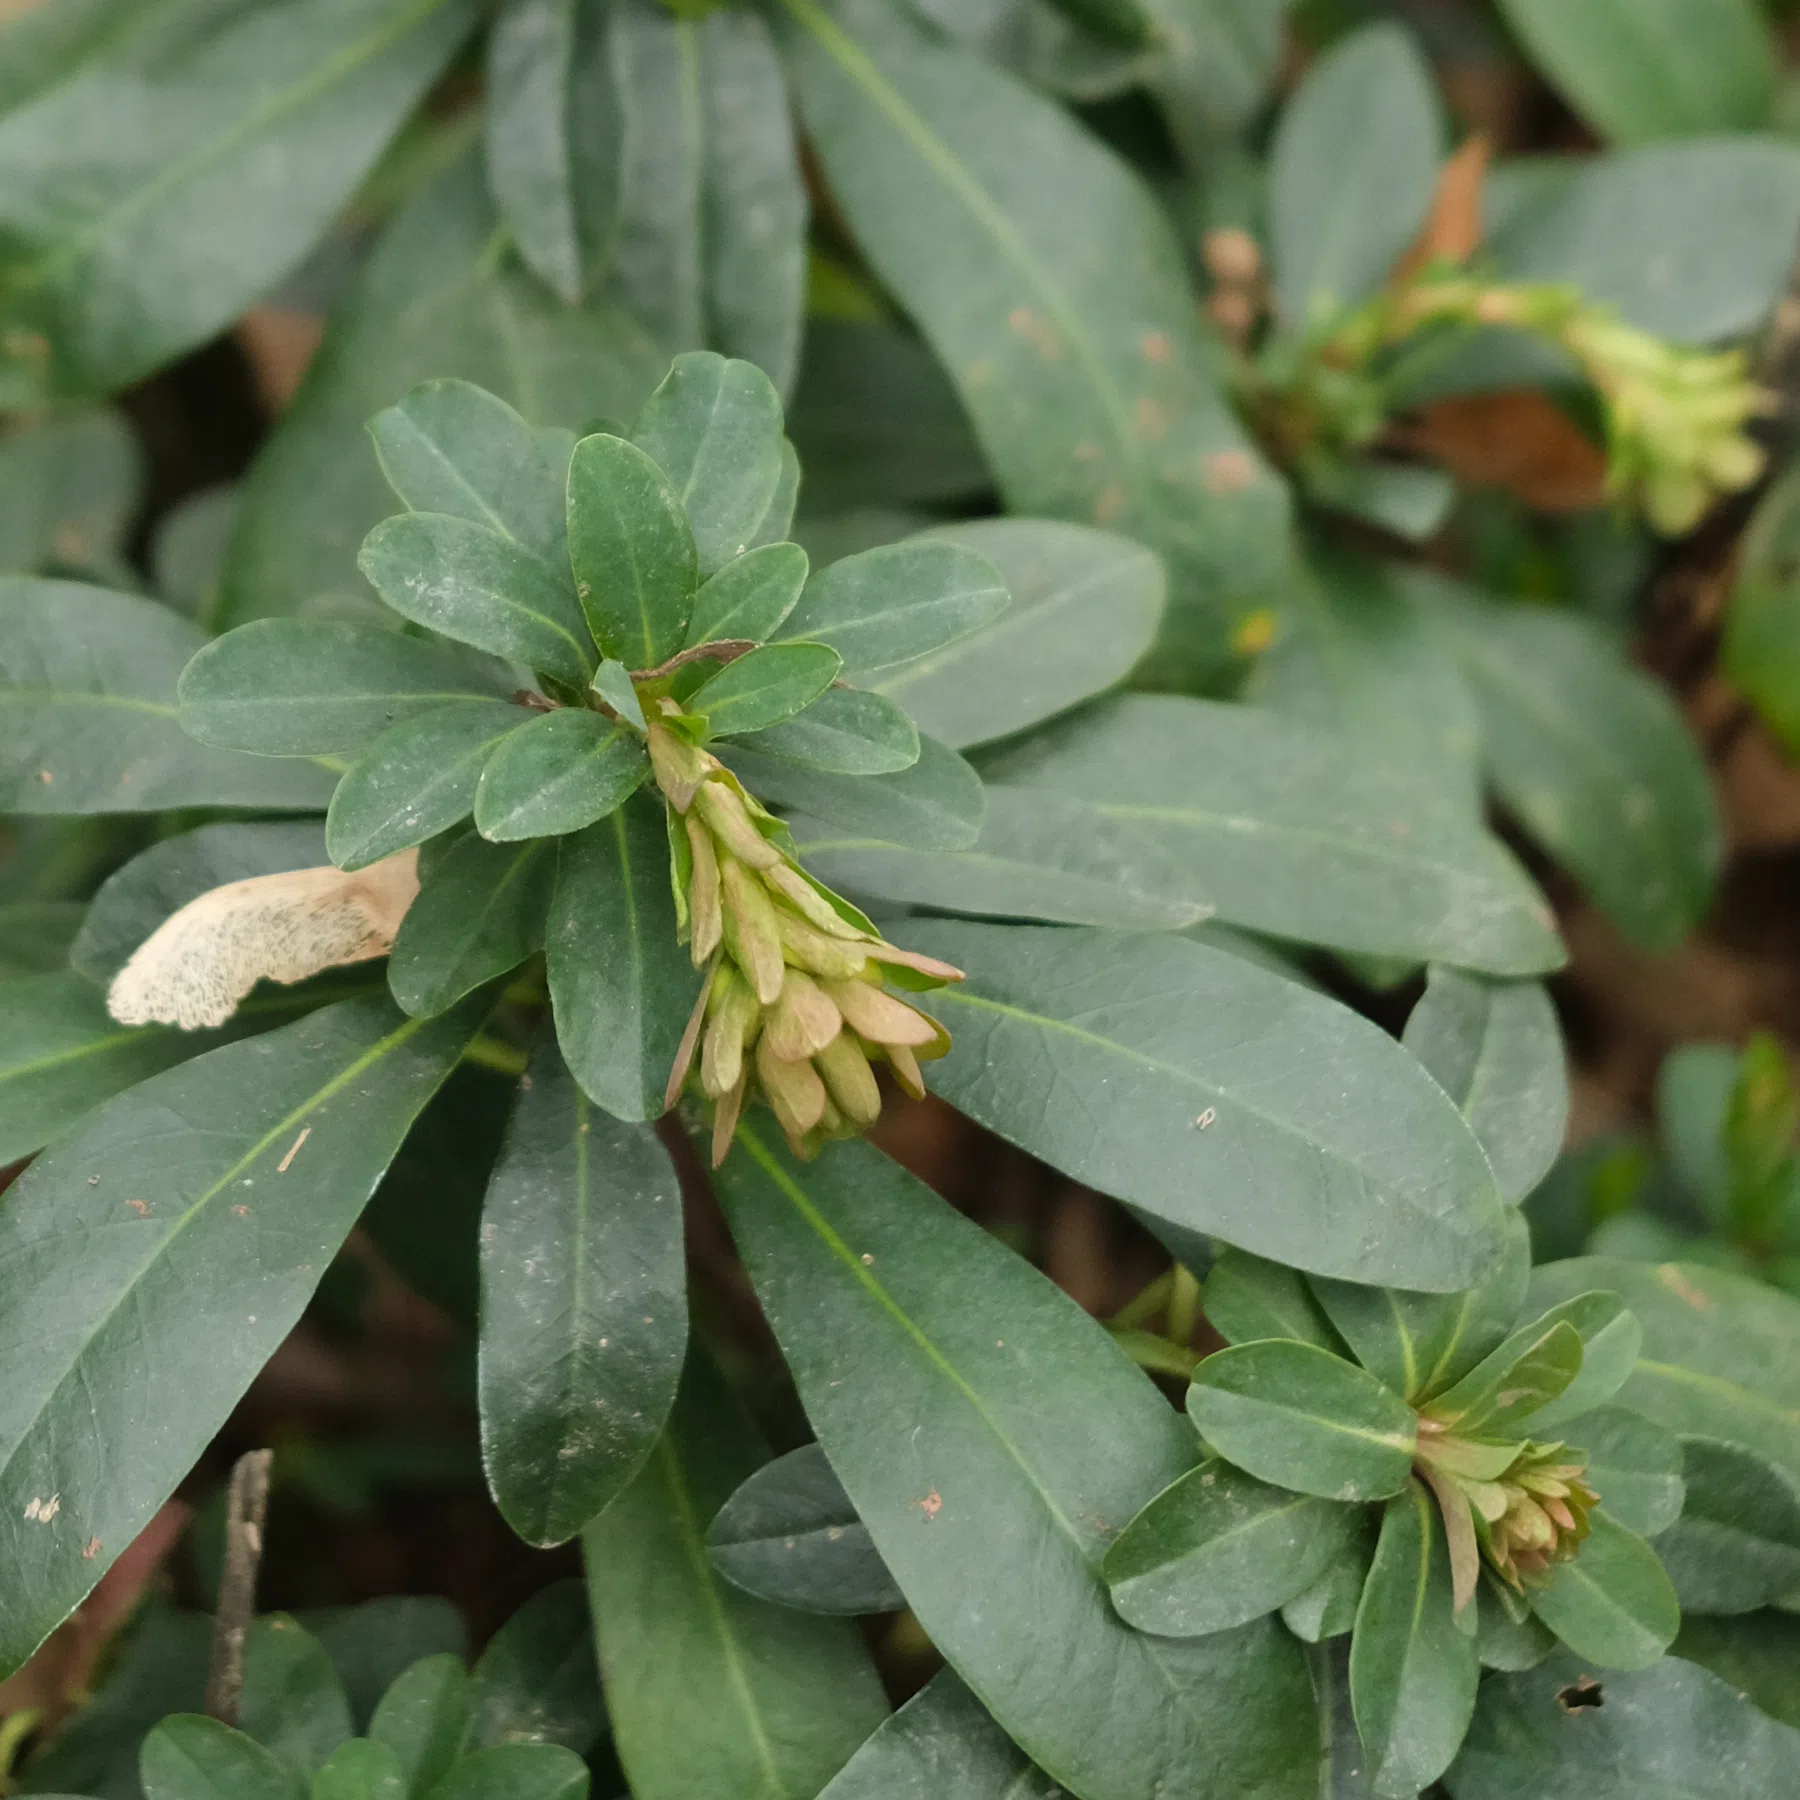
849	1080
794	1091
803	1021
752	934
679	767
729	821
705	915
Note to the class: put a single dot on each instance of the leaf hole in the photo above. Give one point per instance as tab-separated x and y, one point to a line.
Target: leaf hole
1585	1692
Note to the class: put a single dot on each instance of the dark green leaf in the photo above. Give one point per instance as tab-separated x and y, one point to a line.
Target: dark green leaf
845	732
1204	1089
1219	58
88	714
299	687
1218	1549
1610	1340
764	688
374	1644
712	1692
1246	1297
1351	173
417	779
187	552
1612	1605
1342	1759
885	608
1512	1383
562	771
423	1718
936	804
537	1681
1011	1439
790	1535
293	1702
1508	1636
632	551
481	911
1412	1670
69	484
193	1758
360	1770
1736	1545
1757	1653
37	935
750	596
1634	1466
248	132
714	428
583	1305
1304	1419
154	1284
515	1772
1327	1608
1285	829
621	985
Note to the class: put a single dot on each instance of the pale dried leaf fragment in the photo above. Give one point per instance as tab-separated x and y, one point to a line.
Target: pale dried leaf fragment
196	967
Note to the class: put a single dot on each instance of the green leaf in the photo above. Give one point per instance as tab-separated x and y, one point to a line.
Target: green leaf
1634	1466
417	779
749	597
1208	1091
583	1306
537	1681
632	551
1690	241
1626	65
469	583
293	1702
36	936
789	1535
69	484
157	1258
1284	829
884	608
301	687
845	732
1759	652
1246	1297
1054	292
1496	1049
1513	1382
978	1486
481	911
1327	1608
558	774
422	1719
1218	1549
374	1644
1673	1731
88	717
710	1691
1341	1757
1085	609
621	986
1219	59
941	1745
187	552
555	138
1612	1604
936	804
1351	173
1736	1545
1755	1652
1412	1670
1595	759
439	296
1508	1635
193	1758
1610	1340
1038	857
249	132
1420	1344
1298	1416
712	247
714	428
360	1770
456	450
612	682
515	1772
765	687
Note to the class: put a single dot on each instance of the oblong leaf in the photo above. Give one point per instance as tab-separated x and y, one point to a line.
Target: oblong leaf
583	1305
153	1285
1299	1417
515	1772
1513	1383
422	1718
1634	1465
1612	1604
844	732
537	1681
1247	1297
1327	1607
979	1486
559	773
770	684
1209	1091
360	1770
188	1757
749	597
1736	1546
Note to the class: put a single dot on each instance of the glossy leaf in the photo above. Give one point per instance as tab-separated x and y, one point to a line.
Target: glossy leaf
300	687
189	1757
1283	829
632	551
537	1681
750	596
248	131
1412	1671
374	1644
765	687
583	1306
88	715
1736	1545
714	428
712	1692
1206	1090
790	1535
1304	1419
416	780
360	1770
1218	1549
559	773
1612	1605
515	1772
1633	1465
154	1286
925	1354
1351	173
621	986
422	1719
845	732
936	804
1246	1297
481	911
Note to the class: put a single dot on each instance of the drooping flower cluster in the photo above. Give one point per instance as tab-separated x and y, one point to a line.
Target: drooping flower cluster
796	1005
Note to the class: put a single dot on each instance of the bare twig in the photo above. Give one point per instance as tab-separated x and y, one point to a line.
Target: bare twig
723	650
246	1511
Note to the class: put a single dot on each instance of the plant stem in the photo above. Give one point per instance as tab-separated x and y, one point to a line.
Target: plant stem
246	1512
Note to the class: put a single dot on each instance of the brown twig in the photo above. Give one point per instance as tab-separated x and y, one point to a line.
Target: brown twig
723	651
246	1512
